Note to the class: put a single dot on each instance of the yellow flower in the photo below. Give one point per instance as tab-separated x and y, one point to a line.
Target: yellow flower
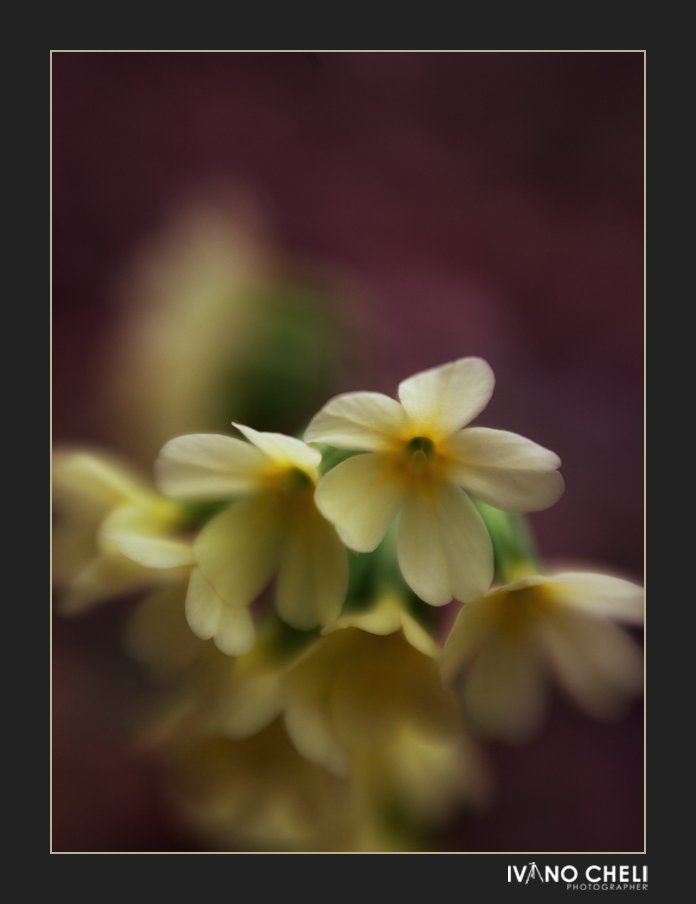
420	461
258	791
226	696
366	701
111	527
274	527
502	645
189	307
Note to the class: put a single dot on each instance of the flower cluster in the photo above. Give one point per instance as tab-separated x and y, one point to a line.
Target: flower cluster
289	611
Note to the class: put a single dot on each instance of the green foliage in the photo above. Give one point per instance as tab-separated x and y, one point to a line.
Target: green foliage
289	368
513	544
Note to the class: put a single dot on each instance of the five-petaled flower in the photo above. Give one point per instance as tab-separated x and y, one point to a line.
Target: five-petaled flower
419	460
502	646
274	526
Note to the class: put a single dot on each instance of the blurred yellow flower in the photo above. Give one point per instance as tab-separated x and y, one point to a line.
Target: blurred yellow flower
420	461
227	696
260	793
189	306
503	644
274	527
234	772
366	702
111	526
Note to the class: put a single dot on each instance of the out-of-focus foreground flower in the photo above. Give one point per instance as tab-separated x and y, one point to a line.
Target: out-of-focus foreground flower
503	646
419	461
103	507
367	703
347	741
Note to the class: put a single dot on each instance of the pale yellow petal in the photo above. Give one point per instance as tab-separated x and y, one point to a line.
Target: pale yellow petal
361	497
158	633
419	638
505	470
380	620
597	663
466	637
235	635
388	617
428	775
504	691
238	550
141	536
156	552
109	575
309	730
313	574
362	421
443	399
602	594
203	606
283	450
207	466
98	478
443	547
248	706
307	686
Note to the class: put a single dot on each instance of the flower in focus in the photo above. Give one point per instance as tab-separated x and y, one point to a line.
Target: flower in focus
366	702
274	527
110	526
420	462
502	646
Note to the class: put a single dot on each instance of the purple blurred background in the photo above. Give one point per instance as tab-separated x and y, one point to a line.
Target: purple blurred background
483	204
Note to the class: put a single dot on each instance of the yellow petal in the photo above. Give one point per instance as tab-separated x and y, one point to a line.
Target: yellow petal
283	450
465	638
206	467
203	606
309	730
388	617
602	594
238	550
231	629
110	575
361	497
248	706
443	399
313	575
362	421
505	470
418	637
97	478
597	663
307	687
141	536
158	634
430	775
443	547
504	692
235	635
380	620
